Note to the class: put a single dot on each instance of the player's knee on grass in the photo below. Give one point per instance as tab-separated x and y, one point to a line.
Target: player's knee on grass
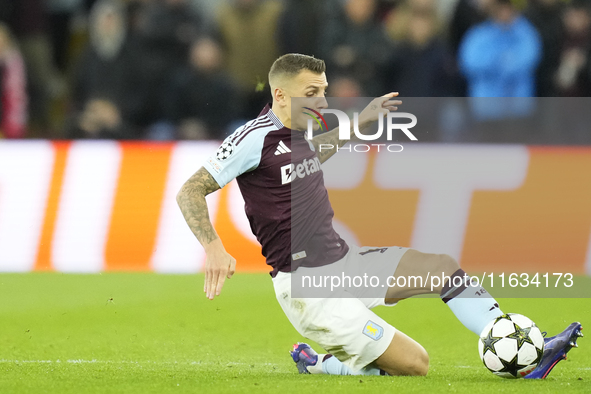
404	357
417	366
421	365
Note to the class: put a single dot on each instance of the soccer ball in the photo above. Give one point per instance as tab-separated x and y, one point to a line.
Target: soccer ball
511	346
225	150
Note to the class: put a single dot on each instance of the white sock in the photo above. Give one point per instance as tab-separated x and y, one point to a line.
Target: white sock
473	305
475	313
332	366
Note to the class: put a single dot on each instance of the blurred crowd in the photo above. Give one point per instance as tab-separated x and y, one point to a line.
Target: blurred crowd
195	69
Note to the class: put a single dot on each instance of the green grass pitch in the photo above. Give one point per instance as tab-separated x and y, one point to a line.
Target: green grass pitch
148	333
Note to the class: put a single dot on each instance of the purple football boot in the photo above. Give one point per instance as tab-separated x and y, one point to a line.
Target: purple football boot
555	349
304	356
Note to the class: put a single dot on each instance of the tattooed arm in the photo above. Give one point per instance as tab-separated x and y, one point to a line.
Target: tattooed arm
327	144
219	265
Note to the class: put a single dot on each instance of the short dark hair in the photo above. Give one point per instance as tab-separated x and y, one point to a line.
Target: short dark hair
293	63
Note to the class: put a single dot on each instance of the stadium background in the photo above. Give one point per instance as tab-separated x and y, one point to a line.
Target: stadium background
194	69
108	106
92	206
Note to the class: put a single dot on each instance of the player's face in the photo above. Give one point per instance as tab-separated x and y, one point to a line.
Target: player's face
313	87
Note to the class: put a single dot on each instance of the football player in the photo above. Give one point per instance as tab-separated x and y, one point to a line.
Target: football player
280	177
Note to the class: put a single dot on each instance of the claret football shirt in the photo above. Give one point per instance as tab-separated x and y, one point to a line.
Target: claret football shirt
286	202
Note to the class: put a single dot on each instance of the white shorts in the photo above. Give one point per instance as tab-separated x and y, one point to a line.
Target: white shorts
343	325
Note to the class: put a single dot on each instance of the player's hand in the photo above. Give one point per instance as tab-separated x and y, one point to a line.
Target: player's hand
219	265
380	105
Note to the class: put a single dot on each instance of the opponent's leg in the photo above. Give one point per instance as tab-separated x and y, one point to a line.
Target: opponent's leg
472	305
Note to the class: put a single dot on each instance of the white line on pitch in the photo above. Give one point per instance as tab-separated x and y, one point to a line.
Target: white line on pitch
94	361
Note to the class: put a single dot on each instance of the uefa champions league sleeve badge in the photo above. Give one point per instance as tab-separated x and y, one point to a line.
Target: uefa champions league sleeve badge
225	150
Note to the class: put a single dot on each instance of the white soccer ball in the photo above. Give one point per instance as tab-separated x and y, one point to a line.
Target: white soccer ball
511	346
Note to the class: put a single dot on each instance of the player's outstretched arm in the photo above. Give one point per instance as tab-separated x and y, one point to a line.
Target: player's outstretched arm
219	265
369	115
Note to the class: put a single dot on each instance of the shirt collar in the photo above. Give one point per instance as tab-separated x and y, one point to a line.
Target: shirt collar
269	112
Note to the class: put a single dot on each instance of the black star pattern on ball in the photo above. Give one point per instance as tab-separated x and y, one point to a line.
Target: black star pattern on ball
521	335
505	316
489	342
511	366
